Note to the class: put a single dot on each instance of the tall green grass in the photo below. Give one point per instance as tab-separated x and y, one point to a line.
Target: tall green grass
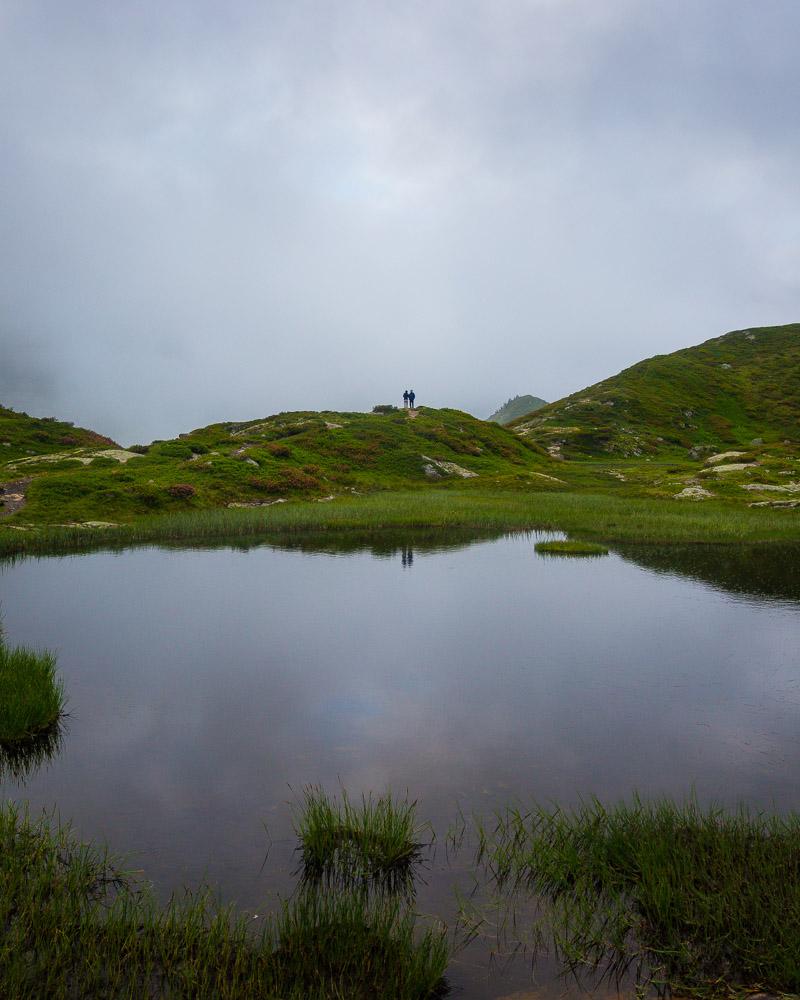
31	696
587	516
696	900
375	840
76	924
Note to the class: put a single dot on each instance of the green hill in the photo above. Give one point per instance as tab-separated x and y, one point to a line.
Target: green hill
724	394
517	406
259	462
22	436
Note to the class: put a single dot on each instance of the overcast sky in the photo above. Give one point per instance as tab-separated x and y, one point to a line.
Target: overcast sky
216	211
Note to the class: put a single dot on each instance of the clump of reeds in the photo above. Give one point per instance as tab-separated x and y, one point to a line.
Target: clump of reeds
374	840
75	924
573	548
340	942
31	696
703	901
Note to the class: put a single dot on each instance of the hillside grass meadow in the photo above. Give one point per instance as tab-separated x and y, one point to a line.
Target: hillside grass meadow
699	445
722	394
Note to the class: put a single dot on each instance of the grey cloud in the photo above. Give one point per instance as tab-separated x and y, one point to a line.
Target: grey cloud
218	213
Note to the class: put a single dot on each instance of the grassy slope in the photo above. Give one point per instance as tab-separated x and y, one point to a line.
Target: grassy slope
515	407
22	436
645	435
721	394
289	455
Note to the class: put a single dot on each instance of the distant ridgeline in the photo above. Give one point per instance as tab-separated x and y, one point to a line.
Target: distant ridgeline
731	391
517	406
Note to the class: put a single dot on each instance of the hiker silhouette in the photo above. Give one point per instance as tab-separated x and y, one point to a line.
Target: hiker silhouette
405	399
411	397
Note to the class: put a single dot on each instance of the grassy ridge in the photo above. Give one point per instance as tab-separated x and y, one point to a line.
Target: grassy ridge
650	432
285	456
720	394
698	901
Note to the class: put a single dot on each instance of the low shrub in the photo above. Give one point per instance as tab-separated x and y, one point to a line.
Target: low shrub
285	480
182	491
384	408
279	450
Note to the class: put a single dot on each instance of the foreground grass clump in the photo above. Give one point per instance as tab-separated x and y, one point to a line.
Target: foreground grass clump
31	697
691	900
374	840
571	549
76	925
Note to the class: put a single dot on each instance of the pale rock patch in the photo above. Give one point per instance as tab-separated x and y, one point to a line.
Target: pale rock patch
723	456
450	468
732	467
693	493
553	479
255	503
769	488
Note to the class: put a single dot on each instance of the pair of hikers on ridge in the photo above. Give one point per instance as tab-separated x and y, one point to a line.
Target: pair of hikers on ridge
408	399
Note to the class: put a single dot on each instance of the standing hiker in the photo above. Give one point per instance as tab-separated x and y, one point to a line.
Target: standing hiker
405	400
411	397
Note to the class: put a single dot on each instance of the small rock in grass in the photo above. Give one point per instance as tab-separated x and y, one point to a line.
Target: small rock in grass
693	493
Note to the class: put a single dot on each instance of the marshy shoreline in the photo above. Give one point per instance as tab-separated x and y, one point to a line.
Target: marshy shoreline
584	517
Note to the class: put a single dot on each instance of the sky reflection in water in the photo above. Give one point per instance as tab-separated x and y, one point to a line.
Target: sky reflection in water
205	685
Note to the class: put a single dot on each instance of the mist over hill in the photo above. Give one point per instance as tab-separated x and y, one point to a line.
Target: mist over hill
516	407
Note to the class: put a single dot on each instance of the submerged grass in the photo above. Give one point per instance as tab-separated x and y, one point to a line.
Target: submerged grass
691	900
571	548
373	841
75	924
31	696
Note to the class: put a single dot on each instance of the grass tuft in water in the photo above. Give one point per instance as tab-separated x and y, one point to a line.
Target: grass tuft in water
31	696
374	841
341	942
75	924
571	548
705	902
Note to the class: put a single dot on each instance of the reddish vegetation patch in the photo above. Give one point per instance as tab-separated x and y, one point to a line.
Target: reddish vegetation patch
181	490
285	480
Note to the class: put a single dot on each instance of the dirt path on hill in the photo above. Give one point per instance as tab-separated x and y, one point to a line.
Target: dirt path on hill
412	414
12	497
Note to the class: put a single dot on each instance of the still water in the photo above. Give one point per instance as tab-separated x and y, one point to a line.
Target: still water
208	686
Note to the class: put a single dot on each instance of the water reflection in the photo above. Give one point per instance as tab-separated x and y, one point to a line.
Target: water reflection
20	759
204	682
760	571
